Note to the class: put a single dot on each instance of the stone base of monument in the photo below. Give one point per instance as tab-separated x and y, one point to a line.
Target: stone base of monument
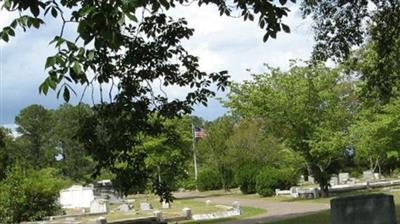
362	209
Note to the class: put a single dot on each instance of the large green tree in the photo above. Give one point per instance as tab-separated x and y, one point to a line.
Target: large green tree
375	136
73	160
5	160
309	108
131	44
34	124
214	149
341	25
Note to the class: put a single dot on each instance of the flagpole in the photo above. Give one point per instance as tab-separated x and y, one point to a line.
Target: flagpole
194	153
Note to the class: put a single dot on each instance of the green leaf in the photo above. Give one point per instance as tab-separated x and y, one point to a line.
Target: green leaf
54	12
131	17
282	2
7	4
266	36
43	88
285	28
35	10
11	32
4	36
77	68
66	94
91	55
51	61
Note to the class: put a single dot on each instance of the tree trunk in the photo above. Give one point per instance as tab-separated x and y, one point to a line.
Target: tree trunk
324	189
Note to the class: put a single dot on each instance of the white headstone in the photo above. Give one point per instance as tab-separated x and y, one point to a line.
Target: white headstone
376	176
125	208
368	175
294	192
145	206
157	214
99	206
208	202
187	213
76	196
166	205
101	220
311	179
334	181
343	178
236	205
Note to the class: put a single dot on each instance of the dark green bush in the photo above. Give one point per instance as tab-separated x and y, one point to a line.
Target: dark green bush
187	184
209	179
246	177
270	179
28	195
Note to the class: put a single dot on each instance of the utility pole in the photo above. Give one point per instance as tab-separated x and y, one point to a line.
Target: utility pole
194	152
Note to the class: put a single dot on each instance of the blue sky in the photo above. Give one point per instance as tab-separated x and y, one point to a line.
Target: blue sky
222	43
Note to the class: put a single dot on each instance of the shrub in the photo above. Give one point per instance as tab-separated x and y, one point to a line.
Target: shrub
187	184
209	179
28	195
270	179
246	177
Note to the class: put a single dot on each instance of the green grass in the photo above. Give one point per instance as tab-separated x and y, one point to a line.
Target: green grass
317	218
324	216
246	212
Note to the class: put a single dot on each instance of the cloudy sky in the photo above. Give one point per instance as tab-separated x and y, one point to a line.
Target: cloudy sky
222	43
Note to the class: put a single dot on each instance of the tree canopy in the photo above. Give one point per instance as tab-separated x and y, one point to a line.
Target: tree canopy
308	108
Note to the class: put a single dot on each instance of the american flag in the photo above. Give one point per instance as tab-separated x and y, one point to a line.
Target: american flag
198	132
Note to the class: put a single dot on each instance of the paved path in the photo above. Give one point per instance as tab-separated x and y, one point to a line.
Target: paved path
276	210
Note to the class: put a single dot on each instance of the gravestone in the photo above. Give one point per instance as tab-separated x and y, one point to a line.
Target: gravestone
187	213
368	175
166	205
343	178
101	220
301	180
376	176
208	202
363	209
311	179
125	208
145	206
157	214
334	181
236	205
76	196
294	192
99	206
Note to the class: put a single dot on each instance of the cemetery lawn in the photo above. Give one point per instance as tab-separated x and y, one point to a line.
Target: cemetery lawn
324	216
246	213
175	210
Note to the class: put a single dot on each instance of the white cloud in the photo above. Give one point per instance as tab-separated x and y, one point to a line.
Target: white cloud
229	43
222	43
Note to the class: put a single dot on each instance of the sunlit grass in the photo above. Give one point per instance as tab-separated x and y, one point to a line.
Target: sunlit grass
246	212
324	216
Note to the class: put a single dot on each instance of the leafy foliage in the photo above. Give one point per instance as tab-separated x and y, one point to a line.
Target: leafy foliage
375	134
209	179
309	108
246	178
34	124
341	25
214	149
270	179
73	161
28	195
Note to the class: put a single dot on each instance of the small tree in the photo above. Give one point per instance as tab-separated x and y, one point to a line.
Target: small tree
309	108
28	195
214	149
